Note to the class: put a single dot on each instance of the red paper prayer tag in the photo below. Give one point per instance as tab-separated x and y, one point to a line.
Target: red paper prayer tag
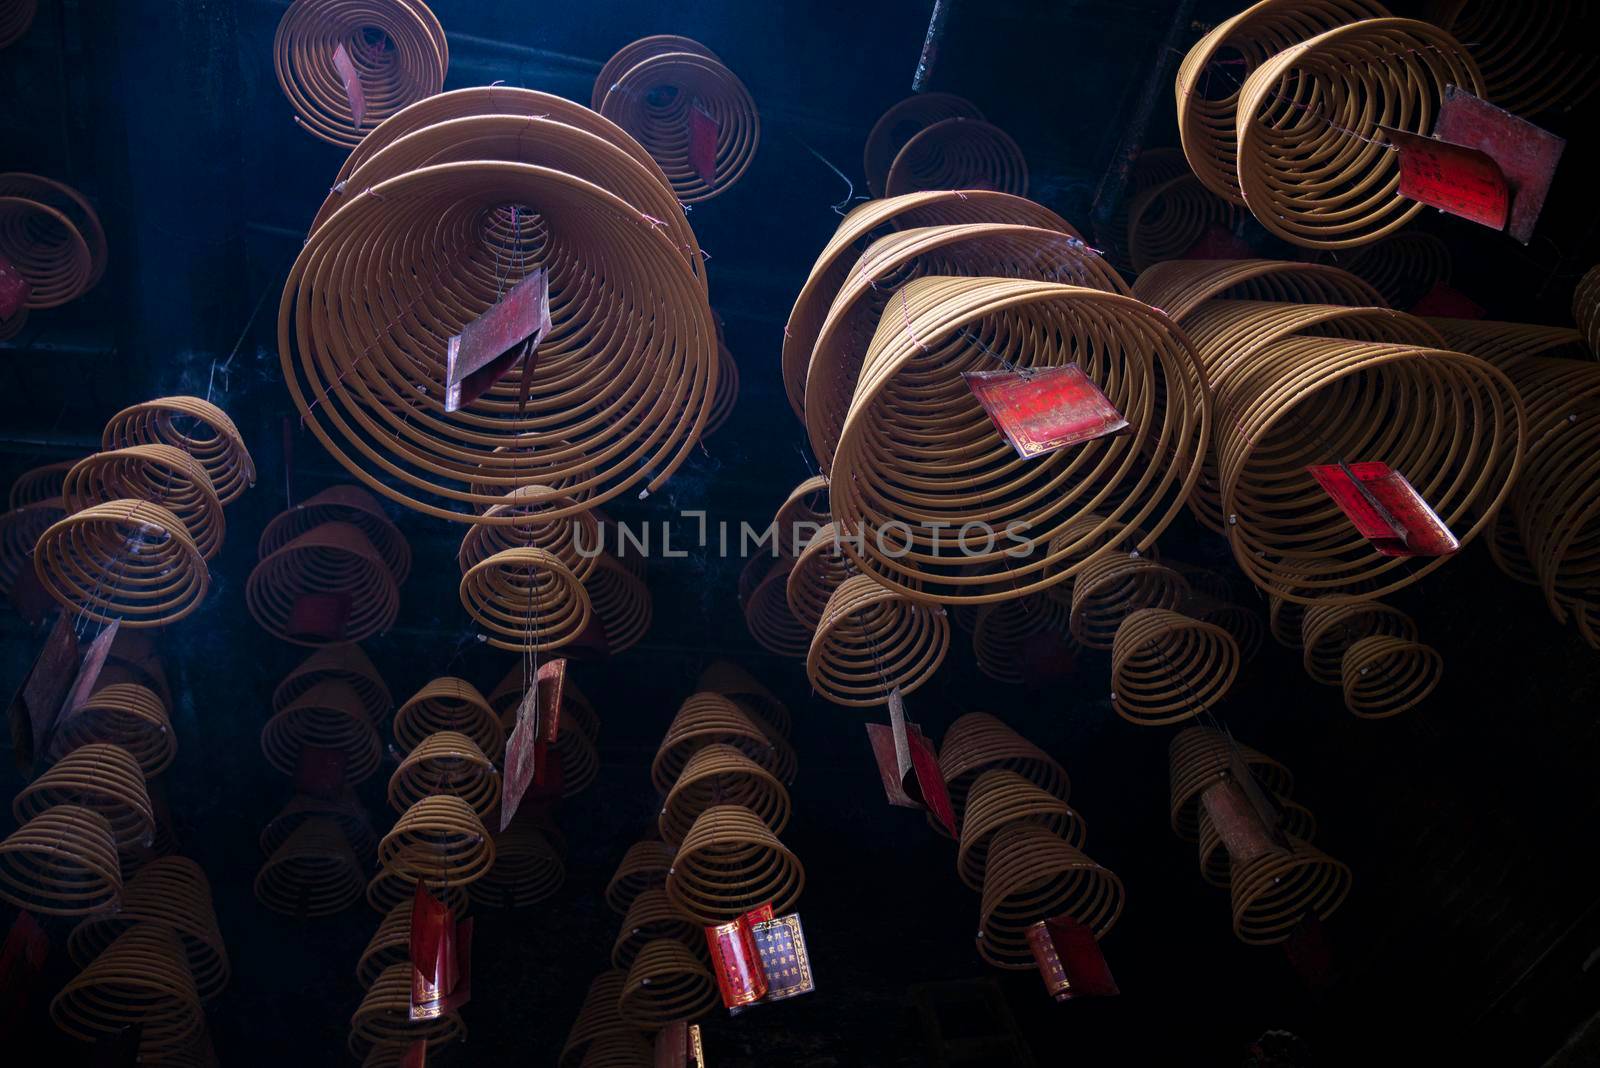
1310	952
1526	155
37	703
492	344
1070	960
1385	509
703	133
417	1055
320	616
1463	181
94	661
441	955
737	962
528	749
14	290
1040	411
908	765
351	79
678	1045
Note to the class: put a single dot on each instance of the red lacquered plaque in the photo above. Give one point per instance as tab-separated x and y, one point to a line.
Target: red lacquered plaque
737	961
1385	509
434	962
1040	411
1070	960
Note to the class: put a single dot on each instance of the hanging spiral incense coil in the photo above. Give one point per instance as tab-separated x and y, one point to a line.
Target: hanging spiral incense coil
977	742
387	889
1178	287
871	641
160	474
347	664
450	704
384	1016
124	560
1203	581
766	610
62	862
1151	167
46	249
527	869
1404	267
950	468
193	426
707	719
1085	536
729	863
397	47
1000	799
172	892
1001	634
39	485
346	812
100	777
1033	874
727	395
575	540
666	983
1216	867
1528	55
344	504
1111	586
334	561
1273	892
785	762
1239	621
142	977
527	599
1166	220
653	90
720	774
1558	517
440	841
621	603
901	123
1198	758
652	916
733	681
327	716
126	715
1328	630
1384	676
958	153
643	866
1284	620
1585	312
597	1018
803	512
446	762
1166	667
389	944
20	529
313	873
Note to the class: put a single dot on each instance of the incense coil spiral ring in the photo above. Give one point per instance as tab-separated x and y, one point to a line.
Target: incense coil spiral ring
1111	586
1241	622
1166	220
1089	535
527	869
707	719
313	873
643	866
39	485
805	506
62	862
1558	517
977	742
1272	893
652	87
384	1016
1166	667
666	983
346	664
729	863
903	121
345	811
1527	62
1216	867
1307	181
327	716
446	762
387	889
1585	313
621	602
335	560
46	249
440	841
766	609
159	474
141	978
397	47
390	944
575	540
526	599
1328	630
998	799
726	397
720	774
20	529
69	202
597	1018
128	716
1178	287
211	438
785	763
1404	267
1001	633
1198	757
958	153
733	681
1151	167
1384	676
652	916
1285	620
174	893
344	504
16	16
574	747
97	562
871	641
1033	874
102	778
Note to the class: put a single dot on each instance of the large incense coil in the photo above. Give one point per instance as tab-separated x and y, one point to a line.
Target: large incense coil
141	979
69	202
20	529
1585	313
707	719
858	229
720	774
345	504
338	663
872	641
39	485
160	474
731	680
1216	867
643	866
601	416
904	121
869	291
528	868
313	873
101	777
1111	586
16	16
729	863
785	762
1404	267
1243	623
46	250
1166	667
1328	630
128	716
1178	287
958	153
1198	758
1533	56
125	560
1318	174
977	742
334	560
384	1016
345	811
387	889
397	47
440	841
1083	538
1000	799
766	609
1166	220
621	603
597	1018
1275	891
172	892
650	91
1284	620
62	862
666	983
574	540
1151	167
446	762
193	426
1002	633
802	514
328	716
948	467
450	704
1384	676
389	944
1558	516
652	916
1216	67
1032	874
526	599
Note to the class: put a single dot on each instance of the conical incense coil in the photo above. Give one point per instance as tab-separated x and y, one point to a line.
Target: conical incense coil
1178	287
389	944
655	88
766	610
193	426
450	704
446	762
1558	516
1404	267
802	513
666	983
126	715
1285	620
124	560
727	395
785	763
100	777
527	600
1084	537
334	560
904	121
347	664
597	1018
46	249
1111	586
1031	875
438	840
397	48
384	1016
643	866
871	641
1000	799
1243	623
652	916
313	873
528	868
621	603
1151	167
574	540
1384	676
159	474
1002	633
343	504
819	570
1532	56
508	693
172	892
327	716
141	978
1200	756
1320	175
1216	867
958	153
1328	630
20	529
729	863
39	484
950	468
1166	667
720	774
731	680
1166	220
1216	67
388	888
599	417
63	862
346	812
1273	892
1585	312
977	742
705	719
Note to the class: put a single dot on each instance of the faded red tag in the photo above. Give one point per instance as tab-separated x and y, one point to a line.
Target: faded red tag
1219	243
1463	181
678	1045
33	710
1444	301
740	977
1385	509
492	344
320	772
94	661
320	616
881	735
1070	959
930	784
433	954
1526	155
351	79
14	289
528	748
1040	411
417	1055
703	133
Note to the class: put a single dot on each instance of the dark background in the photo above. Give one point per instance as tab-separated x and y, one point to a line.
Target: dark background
1469	823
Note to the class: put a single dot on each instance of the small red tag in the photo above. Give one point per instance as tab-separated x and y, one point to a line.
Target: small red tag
1385	509
1444	301
1040	411
37	703
417	1055
320	616
528	748
14	289
351	78
94	661
1463	181
881	736
1525	154
1070	960
703	133
492	344
930	784
1219	243
434	945
740	976
320	772
908	765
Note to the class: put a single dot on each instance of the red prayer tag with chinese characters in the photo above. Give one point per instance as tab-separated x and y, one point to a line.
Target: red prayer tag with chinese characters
1461	180
496	341
1041	410
1385	509
1069	959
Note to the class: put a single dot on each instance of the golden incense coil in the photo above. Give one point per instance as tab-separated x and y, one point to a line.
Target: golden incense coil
172	892
597	1018
450	704
1329	629
621	603
872	640
1384	676
440	841
40	484
727	395
327	716
334	560
46	249
1166	667
1404	267
1166	220
103	778
1532	55
1151	167
528	868
526	599
126	715
388	888
958	153
191	425
384	1016
313	873
665	983
1216	867
1241	622
720	774
125	560
651	916
62	862
733	681
338	663
141	978
446	762
999	799
1032	874
19	533
389	944
160	474
346	812
344	504
1273	892
574	540
643	866
707	719
801	514
1002	633
1198	758
1110	586
766	609
977	742
1178	287
904	121
729	863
